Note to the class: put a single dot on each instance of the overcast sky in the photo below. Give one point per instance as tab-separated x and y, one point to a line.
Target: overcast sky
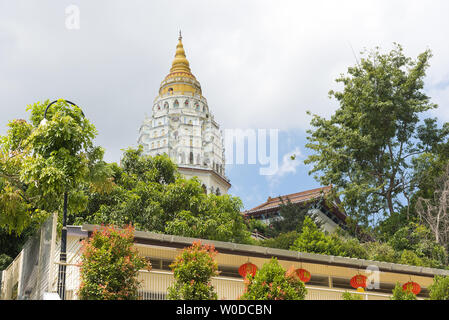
261	64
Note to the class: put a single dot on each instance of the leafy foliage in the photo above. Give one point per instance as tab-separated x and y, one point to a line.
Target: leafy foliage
41	160
351	296
272	282
5	261
282	241
418	247
400	294
367	147
109	265
439	290
193	270
313	240
149	193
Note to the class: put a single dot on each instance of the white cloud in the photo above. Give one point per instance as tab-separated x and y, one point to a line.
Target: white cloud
261	64
290	162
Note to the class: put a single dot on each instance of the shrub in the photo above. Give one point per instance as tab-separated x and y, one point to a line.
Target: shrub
439	290
271	282
351	296
109	266
282	241
193	270
313	240
378	251
400	294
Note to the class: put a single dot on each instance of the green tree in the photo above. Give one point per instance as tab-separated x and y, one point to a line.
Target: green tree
417	246
150	193
313	240
193	270
291	218
434	212
439	290
110	265
400	294
378	251
367	147
41	160
272	282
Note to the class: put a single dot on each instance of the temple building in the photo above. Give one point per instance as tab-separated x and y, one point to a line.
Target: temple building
326	212
182	126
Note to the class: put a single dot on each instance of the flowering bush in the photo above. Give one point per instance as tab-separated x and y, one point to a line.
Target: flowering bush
109	265
272	282
193	270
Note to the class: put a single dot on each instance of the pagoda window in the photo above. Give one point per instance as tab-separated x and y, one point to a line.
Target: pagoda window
176	104
186	103
166	105
191	158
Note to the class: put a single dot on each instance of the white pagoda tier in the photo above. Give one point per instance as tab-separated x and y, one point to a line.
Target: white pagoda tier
182	127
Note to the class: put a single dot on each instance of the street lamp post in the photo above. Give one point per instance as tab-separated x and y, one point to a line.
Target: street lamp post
63	254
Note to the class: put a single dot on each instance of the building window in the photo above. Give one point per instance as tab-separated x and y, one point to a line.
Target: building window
186	103
191	158
176	104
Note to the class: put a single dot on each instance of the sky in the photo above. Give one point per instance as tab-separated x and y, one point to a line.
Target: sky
261	65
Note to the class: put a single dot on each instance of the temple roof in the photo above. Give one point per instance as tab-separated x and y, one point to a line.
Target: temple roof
272	204
180	79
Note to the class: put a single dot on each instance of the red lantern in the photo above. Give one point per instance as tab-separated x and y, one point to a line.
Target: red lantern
412	287
247	268
303	275
358	281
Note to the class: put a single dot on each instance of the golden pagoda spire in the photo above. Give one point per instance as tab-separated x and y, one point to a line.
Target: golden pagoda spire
180	79
180	63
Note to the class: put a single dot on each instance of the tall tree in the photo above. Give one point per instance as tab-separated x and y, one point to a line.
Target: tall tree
367	147
151	194
41	160
435	212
